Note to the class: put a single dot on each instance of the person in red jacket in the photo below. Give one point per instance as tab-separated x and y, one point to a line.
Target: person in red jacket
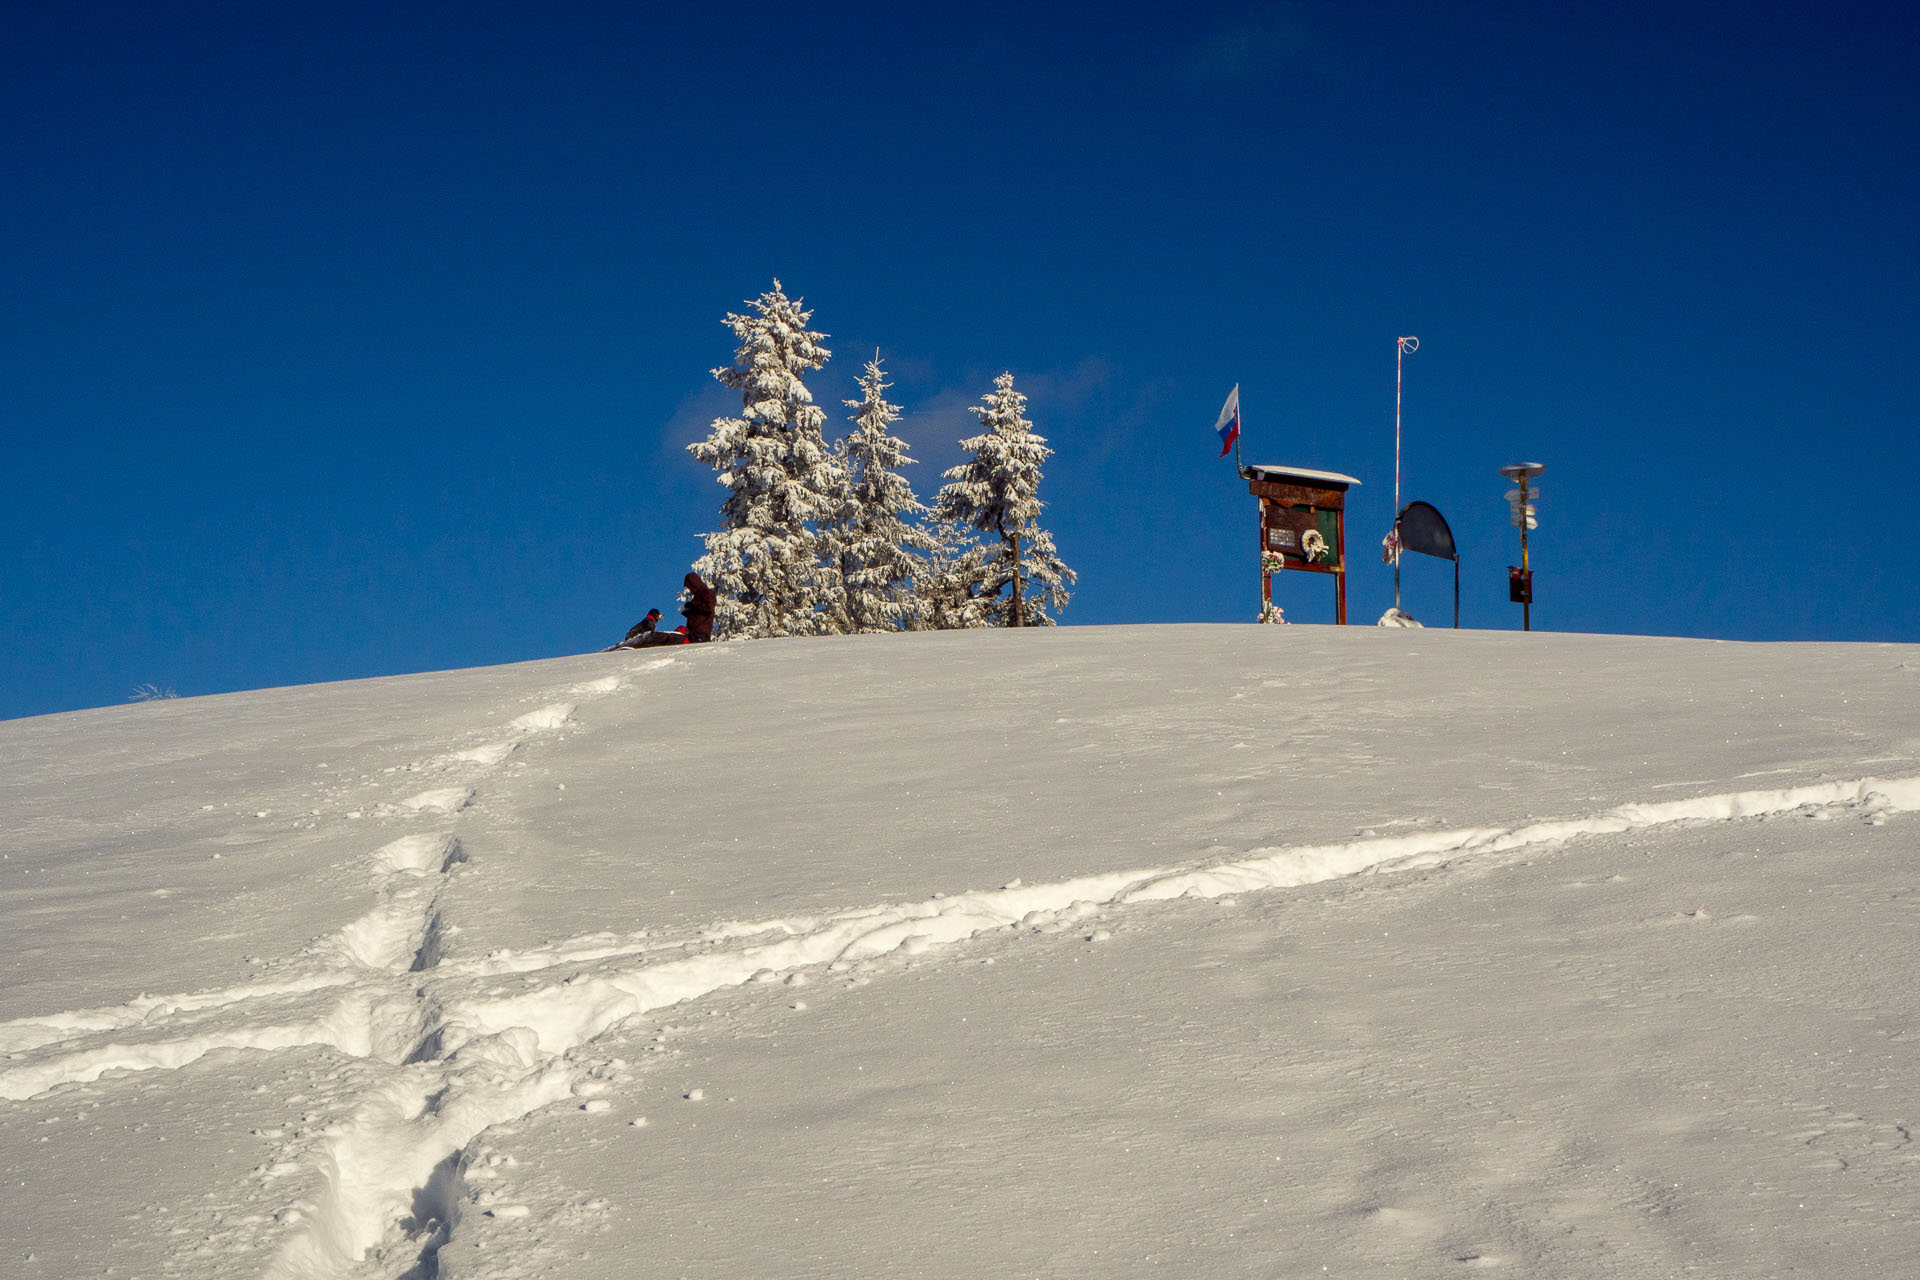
698	609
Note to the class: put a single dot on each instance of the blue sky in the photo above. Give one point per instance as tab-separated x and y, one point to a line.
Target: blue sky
349	340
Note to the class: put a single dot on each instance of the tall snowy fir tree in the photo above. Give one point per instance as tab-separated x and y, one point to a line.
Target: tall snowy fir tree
996	494
768	561
882	549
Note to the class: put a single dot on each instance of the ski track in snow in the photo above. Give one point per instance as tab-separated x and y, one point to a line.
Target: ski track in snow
454	1058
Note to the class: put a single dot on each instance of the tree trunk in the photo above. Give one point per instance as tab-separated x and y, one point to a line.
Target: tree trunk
1019	610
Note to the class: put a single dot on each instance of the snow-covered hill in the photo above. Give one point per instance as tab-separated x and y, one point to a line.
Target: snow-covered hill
1092	951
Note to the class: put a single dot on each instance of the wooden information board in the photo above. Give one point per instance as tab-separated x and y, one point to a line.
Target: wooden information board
1303	520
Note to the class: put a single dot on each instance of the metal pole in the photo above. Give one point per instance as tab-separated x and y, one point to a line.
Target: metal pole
1521	496
1402	346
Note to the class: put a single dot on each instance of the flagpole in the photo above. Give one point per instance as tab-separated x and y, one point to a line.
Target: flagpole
1399	362
1403	346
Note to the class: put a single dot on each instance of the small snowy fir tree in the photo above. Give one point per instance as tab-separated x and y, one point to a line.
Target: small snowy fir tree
880	549
997	494
766	563
949	587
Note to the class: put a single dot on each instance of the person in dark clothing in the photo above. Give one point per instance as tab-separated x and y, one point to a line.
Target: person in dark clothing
698	609
641	630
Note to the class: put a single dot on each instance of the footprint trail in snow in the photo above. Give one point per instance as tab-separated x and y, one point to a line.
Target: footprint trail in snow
446	1055
365	991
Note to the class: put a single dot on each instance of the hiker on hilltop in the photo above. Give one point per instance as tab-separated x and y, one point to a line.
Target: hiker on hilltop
698	609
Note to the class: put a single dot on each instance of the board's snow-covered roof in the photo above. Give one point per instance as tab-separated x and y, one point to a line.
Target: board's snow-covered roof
1261	472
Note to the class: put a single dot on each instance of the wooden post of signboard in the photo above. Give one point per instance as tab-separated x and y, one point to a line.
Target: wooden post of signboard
1303	520
1340	552
1266	579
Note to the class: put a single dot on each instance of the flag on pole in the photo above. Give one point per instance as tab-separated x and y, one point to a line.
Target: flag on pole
1229	424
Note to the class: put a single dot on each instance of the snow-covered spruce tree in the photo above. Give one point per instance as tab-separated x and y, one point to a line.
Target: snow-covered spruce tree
996	494
881	551
767	562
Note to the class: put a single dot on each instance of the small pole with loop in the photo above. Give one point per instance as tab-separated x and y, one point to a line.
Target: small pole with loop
1404	345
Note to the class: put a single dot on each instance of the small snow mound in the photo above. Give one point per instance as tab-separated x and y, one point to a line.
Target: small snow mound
491	753
443	800
547	717
415	855
1397	618
596	1104
694	1095
606	684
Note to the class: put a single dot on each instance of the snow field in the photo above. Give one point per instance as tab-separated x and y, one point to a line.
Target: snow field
441	1048
1625	1057
579	1008
405	1127
499	1060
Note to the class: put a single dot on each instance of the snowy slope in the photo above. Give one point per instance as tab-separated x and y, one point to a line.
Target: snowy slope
1191	950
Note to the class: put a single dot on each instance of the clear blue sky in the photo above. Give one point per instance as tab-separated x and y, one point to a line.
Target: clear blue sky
348	340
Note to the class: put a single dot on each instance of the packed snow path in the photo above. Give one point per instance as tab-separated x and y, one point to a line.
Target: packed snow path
450	1040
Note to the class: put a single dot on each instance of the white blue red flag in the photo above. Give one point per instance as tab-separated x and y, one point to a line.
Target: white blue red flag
1229	424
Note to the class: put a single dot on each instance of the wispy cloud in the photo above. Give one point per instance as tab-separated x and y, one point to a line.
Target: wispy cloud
935	423
1087	409
1069	390
1265	42
693	417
